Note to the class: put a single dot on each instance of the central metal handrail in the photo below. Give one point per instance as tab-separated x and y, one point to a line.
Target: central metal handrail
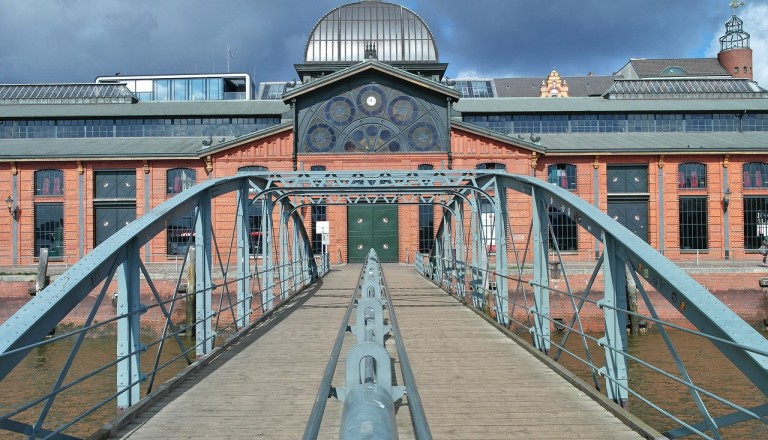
368	367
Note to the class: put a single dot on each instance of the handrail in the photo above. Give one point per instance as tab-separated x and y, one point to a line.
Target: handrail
368	394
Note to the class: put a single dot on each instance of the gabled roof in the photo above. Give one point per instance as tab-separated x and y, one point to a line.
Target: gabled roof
99	148
170	109
515	141
641	68
578	86
368	66
236	142
87	93
655	143
589	105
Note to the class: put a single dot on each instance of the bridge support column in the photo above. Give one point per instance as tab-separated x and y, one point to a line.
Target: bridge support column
284	267
268	268
541	320
203	283
477	278
502	291
461	250
615	339
244	294
129	346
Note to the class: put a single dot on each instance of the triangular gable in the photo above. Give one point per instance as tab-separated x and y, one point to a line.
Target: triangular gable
216	148
369	66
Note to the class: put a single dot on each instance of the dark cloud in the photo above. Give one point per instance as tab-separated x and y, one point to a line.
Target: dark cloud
77	40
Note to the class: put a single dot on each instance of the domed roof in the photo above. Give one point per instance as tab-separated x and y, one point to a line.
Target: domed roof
397	33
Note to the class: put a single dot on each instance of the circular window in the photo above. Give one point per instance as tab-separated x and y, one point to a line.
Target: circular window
403	110
340	111
320	138
423	136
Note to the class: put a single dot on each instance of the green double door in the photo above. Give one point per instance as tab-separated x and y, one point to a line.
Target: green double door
372	226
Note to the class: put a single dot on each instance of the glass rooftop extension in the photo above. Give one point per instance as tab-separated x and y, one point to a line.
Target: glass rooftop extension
189	87
65	94
685	89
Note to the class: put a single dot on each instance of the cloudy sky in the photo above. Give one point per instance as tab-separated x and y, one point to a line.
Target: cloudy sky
45	41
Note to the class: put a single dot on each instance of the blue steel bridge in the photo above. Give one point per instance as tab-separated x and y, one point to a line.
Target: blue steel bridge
459	343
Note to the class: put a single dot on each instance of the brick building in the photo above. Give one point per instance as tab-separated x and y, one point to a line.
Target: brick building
674	149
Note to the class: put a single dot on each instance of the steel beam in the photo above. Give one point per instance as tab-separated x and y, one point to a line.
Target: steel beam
541	329
129	346
203	282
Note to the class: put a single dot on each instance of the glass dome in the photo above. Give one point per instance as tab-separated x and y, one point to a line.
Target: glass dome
398	34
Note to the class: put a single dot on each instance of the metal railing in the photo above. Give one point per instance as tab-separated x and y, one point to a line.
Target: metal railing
577	311
368	393
155	319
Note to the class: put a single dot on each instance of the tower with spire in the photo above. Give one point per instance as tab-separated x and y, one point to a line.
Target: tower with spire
735	54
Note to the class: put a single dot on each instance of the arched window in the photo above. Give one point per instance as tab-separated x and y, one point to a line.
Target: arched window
49	183
491	166
562	175
248	168
692	175
755	175
179	179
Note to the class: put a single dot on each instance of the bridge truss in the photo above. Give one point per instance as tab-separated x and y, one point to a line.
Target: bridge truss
497	258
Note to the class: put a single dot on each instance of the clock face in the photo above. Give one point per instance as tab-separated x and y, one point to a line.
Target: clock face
370	100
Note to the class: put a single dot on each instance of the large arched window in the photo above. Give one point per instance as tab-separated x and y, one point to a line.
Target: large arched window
179	179
755	175
49	183
692	175
755	204
562	175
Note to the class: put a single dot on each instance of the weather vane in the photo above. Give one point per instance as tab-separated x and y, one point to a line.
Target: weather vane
735	4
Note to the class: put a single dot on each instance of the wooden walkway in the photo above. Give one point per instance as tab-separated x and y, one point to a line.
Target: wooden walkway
474	382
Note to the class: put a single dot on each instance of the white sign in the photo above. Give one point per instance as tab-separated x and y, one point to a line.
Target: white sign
323	227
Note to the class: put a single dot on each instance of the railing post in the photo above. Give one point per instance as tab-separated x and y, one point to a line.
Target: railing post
502	290
615	339
268	268
541	329
285	260
203	283
478	252
461	248
244	294
128	332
